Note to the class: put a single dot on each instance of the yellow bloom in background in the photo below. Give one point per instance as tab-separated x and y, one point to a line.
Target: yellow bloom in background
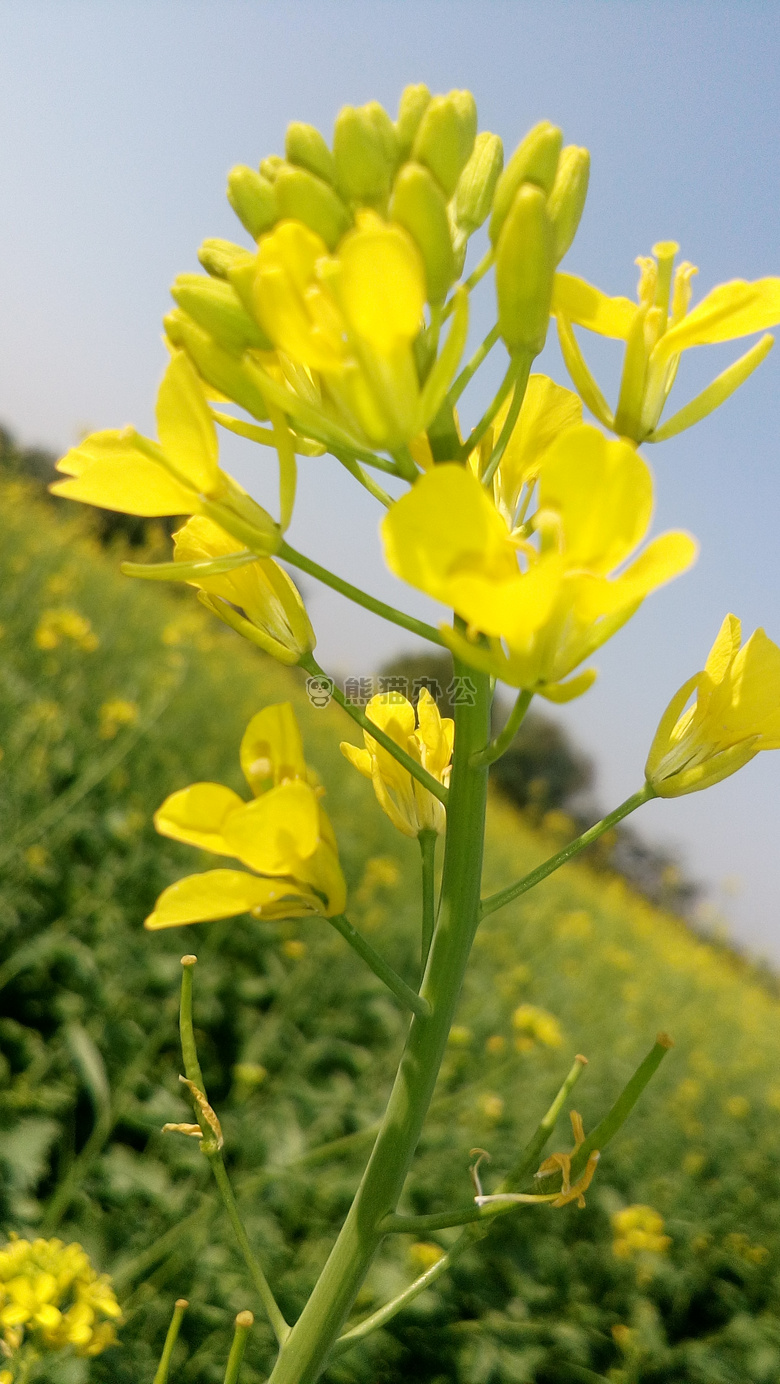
547	410
428	739
638	1230
283	835
52	1299
536	609
535	1026
258	600
656	330
346	323
62	625
114	714
736	713
180	474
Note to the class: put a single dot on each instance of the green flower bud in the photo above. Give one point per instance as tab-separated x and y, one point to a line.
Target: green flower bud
306	148
411	108
567	199
418	205
213	304
270	166
302	196
535	160
365	147
252	198
219	368
445	137
525	270
217	256
477	182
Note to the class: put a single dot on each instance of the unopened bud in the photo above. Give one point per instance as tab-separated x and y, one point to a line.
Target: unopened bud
477	182
365	147
252	198
535	160
217	256
525	269
411	108
302	196
418	205
446	135
271	165
213	304
306	148
566	202
219	368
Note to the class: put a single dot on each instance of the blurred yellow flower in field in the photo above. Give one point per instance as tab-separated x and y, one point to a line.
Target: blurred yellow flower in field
736	714
55	627
534	1025
284	835
428	739
638	1230
114	714
52	1298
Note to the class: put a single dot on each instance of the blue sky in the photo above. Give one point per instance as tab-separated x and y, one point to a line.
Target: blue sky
119	123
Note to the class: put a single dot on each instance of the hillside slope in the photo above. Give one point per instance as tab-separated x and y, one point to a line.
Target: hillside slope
113	694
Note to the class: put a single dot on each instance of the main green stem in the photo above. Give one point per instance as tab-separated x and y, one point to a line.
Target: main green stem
306	1350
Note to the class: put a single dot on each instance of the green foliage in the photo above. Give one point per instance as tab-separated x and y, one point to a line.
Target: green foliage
298	1042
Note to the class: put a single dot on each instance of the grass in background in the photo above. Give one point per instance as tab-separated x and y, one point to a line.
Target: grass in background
112	695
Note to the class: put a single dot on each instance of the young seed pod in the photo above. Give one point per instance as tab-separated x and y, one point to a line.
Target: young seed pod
418	205
477	182
566	202
365	149
213	304
525	269
535	160
219	368
446	135
252	198
411	108
301	196
305	147
217	256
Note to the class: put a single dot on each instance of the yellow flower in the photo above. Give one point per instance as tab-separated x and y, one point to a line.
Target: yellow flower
180	474
546	411
115	714
535	610
51	1297
344	327
55	626
535	1025
638	1230
656	330
410	807
283	835
259	600
736	713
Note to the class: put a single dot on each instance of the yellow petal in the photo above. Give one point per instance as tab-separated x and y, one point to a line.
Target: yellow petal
197	815
276	831
731	310
107	470
662	560
185	426
382	285
603	492
580	302
201	539
226	893
561	692
548	409
756	694
359	759
272	749
724	650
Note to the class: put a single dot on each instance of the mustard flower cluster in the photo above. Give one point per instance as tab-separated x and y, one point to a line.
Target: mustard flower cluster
52	1299
638	1230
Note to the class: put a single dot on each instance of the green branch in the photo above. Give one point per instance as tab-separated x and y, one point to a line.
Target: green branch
523	361
381	968
353	593
427	840
161	1373
501	744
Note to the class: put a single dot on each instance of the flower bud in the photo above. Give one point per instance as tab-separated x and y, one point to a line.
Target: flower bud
217	256
418	205
302	196
252	198
525	269
446	135
411	108
566	201
213	304
270	167
220	369
365	147
535	160
306	148
477	182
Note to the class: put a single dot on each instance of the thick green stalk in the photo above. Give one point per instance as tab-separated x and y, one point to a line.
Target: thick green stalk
305	1352
427	840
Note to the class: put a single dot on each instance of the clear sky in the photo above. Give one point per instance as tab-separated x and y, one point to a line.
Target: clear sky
119	123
